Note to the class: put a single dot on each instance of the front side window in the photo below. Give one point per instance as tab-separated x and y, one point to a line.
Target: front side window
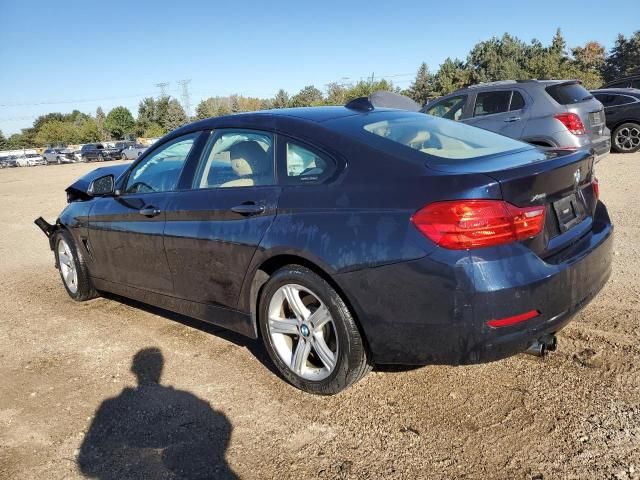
451	108
488	103
160	171
236	158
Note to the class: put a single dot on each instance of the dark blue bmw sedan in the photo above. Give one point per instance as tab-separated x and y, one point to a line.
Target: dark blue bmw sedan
345	236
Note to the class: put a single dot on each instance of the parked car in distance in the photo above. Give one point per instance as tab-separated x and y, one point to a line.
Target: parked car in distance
440	243
133	151
548	113
30	160
622	107
97	151
632	81
8	162
58	155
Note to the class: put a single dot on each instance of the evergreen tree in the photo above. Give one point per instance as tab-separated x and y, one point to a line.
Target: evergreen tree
421	90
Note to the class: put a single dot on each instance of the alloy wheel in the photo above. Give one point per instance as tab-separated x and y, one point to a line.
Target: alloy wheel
67	266
628	138
303	332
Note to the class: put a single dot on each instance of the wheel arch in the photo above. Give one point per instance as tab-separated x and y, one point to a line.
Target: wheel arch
250	296
622	122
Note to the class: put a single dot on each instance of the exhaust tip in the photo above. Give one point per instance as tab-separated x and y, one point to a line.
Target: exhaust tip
537	349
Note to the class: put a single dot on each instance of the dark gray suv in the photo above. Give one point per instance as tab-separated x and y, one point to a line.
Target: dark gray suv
549	113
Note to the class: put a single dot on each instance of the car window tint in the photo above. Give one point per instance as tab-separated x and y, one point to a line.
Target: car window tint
488	103
517	101
159	172
568	93
236	158
451	108
303	165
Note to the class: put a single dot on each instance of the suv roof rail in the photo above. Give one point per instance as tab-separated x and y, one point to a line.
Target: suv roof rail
502	82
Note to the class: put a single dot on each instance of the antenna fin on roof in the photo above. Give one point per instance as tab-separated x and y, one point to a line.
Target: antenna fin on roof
361	104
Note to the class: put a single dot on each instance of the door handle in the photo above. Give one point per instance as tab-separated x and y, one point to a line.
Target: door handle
512	119
150	211
248	209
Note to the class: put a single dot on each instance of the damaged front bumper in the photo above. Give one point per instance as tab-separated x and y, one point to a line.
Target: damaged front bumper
48	229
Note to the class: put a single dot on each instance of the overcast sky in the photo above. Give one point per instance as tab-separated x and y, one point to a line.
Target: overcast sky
64	55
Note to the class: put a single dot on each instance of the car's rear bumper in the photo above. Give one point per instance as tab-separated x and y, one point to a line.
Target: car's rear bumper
436	309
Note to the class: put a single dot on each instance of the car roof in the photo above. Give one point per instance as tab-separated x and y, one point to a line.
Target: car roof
622	91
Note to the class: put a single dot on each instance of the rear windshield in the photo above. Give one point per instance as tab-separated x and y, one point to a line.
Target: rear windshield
568	93
444	139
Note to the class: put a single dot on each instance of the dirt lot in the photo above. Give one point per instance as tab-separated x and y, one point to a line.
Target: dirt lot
575	414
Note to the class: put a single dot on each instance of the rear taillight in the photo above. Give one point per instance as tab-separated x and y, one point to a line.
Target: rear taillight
596	188
463	224
572	122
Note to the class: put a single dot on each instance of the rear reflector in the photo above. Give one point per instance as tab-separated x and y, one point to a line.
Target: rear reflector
596	188
464	224
505	322
572	122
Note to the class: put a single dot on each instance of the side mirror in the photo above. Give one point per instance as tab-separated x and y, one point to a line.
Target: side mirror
102	186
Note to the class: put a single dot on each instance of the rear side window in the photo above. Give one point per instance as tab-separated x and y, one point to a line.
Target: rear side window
236	158
517	101
488	103
304	165
443	139
568	93
451	108
612	100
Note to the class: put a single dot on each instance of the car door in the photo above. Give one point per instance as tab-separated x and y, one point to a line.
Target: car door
126	230
500	111
214	229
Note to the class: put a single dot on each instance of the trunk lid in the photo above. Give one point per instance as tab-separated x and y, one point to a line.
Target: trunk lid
563	184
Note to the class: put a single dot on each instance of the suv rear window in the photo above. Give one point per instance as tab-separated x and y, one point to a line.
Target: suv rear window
568	93
444	139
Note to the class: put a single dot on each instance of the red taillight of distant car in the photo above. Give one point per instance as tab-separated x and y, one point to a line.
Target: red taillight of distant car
572	122
596	188
464	224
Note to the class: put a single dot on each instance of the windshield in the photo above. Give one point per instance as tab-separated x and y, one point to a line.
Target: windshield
445	139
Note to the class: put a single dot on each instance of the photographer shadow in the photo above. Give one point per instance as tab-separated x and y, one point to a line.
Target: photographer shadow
155	431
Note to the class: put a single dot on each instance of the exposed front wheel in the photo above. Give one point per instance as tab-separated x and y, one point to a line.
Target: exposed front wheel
310	333
626	138
73	270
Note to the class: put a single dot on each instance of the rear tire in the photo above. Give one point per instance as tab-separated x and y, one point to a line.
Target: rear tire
73	269
320	331
626	138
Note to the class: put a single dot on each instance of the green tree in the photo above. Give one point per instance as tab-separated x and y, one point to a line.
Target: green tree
421	90
176	117
3	141
452	75
161	112
281	100
624	58
366	88
88	131
154	130
336	94
100	124
17	141
120	123
494	59
307	97
56	133
146	115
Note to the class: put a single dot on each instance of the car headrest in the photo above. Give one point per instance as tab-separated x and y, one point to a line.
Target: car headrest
249	158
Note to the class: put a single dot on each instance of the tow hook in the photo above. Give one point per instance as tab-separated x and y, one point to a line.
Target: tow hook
543	345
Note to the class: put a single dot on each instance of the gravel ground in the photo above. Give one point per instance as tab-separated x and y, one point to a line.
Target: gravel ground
70	405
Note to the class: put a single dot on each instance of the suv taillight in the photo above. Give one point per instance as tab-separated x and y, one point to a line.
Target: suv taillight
572	122
463	224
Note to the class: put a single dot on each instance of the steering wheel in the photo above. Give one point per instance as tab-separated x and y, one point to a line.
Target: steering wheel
139	186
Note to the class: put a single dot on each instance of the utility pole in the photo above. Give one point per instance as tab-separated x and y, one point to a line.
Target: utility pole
186	98
163	88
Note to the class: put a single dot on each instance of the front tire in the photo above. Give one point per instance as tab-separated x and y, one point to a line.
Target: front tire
309	332
73	270
626	138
